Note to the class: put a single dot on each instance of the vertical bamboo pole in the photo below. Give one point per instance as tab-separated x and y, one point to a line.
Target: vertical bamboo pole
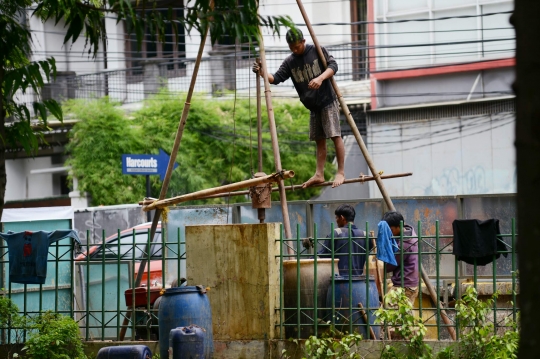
275	145
366	154
259	122
170	167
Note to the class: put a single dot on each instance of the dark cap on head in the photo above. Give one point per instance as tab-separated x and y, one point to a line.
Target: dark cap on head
294	35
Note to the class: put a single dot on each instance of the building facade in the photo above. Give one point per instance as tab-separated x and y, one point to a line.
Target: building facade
429	85
442	105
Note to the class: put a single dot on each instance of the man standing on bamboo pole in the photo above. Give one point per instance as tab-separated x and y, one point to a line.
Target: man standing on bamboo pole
312	83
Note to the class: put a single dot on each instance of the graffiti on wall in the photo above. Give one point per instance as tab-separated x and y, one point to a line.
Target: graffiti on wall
453	181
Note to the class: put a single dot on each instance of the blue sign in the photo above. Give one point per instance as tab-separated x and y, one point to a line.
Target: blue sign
146	164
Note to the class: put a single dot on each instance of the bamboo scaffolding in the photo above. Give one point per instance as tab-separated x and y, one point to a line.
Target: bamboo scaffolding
168	173
274	177
367	157
275	145
294	187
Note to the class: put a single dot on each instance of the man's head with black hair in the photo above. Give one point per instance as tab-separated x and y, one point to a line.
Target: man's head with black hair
345	213
296	41
394	219
294	35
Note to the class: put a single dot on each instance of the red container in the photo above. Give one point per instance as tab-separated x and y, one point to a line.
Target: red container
141	296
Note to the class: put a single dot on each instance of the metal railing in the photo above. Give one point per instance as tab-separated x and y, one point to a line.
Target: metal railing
218	75
93	287
301	320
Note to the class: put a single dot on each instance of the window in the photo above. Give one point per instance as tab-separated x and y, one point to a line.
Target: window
359	39
172	51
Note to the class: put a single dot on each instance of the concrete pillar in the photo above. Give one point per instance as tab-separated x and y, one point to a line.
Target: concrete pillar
153	79
222	70
61	88
238	263
78	199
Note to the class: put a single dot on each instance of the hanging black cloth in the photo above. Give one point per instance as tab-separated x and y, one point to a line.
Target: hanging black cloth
476	239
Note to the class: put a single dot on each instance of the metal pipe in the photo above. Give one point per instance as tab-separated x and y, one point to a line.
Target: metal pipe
275	145
222	189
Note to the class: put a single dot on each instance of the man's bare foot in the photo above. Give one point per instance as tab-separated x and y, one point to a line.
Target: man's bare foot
313	180
338	181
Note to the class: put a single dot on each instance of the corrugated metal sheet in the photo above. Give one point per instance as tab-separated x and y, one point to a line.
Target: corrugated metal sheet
430	112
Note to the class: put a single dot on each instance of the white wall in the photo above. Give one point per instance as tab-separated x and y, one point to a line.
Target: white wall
391	37
21	184
469	155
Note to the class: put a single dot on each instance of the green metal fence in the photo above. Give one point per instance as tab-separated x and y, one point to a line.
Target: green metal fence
92	290
100	276
300	320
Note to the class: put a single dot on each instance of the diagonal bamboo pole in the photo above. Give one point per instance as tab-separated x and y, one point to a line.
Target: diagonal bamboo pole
170	167
369	161
275	145
205	193
148	201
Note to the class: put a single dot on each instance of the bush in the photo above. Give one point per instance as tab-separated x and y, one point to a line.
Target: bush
53	336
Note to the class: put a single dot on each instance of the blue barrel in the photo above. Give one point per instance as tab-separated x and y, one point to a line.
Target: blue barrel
125	352
182	307
360	294
186	343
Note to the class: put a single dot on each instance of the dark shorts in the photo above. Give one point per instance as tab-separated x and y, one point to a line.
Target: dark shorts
324	124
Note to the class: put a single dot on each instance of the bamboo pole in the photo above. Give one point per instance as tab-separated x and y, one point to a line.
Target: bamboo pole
170	167
259	123
364	149
433	296
147	201
275	177
365	317
346	111
275	145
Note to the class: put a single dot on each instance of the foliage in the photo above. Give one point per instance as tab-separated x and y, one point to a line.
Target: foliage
8	311
219	146
18	126
479	338
397	313
48	335
10	318
331	345
17	76
54	336
221	17
97	141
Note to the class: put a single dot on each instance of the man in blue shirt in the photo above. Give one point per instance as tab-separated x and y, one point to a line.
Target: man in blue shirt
344	216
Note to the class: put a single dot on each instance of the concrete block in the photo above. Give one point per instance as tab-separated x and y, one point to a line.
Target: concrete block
240	265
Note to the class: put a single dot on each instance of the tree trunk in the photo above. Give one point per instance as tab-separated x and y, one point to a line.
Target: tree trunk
525	20
3	180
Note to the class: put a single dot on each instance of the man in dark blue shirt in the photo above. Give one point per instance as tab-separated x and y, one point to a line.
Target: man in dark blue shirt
344	216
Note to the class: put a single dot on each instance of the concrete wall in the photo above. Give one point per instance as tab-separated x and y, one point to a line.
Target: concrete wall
468	155
457	40
21	184
91	223
238	262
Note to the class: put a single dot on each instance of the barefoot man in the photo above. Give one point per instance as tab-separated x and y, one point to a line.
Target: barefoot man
317	95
